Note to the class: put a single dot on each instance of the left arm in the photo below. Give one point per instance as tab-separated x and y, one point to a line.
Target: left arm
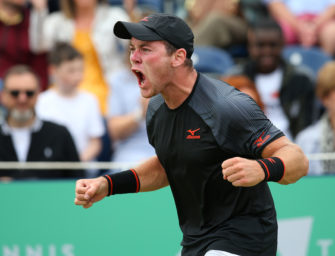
242	172
92	150
38	15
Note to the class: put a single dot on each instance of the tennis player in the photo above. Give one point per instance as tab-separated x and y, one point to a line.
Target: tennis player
214	146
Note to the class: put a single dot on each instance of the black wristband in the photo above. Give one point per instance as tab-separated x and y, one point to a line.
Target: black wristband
109	180
273	167
123	182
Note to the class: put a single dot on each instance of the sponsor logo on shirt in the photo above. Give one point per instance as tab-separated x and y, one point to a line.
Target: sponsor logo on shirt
145	19
260	141
192	134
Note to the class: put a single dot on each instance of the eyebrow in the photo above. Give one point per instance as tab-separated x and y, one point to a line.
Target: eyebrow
146	43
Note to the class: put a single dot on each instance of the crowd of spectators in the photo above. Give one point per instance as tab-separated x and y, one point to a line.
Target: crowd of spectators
78	81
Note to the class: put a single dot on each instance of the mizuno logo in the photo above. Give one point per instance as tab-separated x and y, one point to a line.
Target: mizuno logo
192	134
260	141
145	19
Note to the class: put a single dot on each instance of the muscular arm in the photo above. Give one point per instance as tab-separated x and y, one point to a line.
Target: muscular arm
121	127
242	172
296	163
151	174
280	12
92	149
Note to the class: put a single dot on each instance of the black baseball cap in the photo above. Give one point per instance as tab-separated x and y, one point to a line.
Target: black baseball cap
156	27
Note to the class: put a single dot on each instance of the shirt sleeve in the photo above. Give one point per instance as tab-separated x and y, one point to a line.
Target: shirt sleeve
243	128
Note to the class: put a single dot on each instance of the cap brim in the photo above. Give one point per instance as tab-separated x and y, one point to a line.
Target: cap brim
127	30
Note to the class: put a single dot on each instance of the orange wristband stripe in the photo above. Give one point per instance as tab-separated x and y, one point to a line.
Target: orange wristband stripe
137	180
111	185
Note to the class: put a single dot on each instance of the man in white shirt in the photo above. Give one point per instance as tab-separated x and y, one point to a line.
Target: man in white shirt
65	104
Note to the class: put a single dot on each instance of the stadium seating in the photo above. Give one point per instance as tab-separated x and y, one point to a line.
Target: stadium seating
213	60
313	58
154	5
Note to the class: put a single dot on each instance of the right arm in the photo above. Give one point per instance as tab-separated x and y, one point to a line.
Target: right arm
122	126
306	31
151	174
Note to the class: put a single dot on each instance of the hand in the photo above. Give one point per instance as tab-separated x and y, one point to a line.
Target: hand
242	172
89	191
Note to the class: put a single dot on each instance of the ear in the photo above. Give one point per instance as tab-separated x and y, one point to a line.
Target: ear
179	57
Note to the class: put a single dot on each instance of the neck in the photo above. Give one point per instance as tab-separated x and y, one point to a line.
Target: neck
85	12
84	17
66	93
179	90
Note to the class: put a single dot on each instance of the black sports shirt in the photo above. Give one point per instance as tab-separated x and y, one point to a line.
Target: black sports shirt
216	122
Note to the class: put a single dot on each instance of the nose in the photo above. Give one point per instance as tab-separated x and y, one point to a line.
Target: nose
22	97
135	56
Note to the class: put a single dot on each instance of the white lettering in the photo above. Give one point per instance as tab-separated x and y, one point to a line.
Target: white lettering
67	250
37	251
52	250
324	244
6	251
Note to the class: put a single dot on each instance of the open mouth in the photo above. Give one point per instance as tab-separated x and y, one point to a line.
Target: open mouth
140	77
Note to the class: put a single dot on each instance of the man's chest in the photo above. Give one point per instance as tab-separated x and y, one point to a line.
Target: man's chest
184	139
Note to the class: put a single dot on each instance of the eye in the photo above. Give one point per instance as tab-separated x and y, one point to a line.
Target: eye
146	49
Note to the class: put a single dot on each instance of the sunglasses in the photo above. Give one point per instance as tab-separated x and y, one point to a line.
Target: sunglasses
16	93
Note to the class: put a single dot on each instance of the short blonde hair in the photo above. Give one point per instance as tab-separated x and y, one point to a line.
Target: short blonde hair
326	80
68	7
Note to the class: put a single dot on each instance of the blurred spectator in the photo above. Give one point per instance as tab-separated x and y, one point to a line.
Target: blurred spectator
25	137
320	137
286	91
246	85
88	26
216	22
307	22
126	119
20	33
65	104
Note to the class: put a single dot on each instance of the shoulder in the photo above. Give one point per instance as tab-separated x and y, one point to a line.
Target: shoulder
54	128
46	98
47	94
154	104
219	97
86	96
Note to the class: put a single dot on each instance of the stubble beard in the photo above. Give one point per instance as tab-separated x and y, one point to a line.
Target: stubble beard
21	117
